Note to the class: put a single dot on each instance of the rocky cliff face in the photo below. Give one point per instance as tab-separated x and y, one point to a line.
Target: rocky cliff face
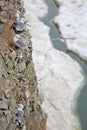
18	83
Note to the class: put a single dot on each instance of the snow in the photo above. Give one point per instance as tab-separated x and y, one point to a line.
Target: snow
72	21
60	75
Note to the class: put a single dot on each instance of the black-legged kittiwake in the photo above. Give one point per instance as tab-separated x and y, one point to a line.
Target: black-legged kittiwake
20	25
19	43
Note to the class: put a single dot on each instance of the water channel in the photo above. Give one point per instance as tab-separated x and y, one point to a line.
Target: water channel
81	100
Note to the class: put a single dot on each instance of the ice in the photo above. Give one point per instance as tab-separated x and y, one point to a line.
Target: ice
72	21
60	75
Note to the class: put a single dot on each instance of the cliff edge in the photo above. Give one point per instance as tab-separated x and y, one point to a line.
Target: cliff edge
18	82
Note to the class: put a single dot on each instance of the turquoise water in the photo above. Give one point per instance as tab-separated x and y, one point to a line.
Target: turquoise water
81	100
48	20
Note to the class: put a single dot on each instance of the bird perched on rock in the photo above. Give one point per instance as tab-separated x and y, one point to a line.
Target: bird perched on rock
20	114
20	25
19	43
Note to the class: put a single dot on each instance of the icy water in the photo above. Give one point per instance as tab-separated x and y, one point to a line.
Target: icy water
48	20
81	100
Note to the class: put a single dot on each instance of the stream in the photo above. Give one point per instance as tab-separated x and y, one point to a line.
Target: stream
81	100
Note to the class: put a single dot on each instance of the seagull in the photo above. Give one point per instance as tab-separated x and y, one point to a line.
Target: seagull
20	114
20	25
19	43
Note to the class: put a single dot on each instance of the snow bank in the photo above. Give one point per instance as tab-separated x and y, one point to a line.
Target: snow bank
72	21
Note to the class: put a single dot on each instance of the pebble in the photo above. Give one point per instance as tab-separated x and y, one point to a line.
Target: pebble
3	105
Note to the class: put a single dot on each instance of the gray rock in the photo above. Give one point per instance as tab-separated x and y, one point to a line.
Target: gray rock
1	113
2	68
1	28
17	15
3	105
7	94
22	66
3	123
0	95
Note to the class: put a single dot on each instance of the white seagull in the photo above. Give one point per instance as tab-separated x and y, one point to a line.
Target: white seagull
19	43
20	25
